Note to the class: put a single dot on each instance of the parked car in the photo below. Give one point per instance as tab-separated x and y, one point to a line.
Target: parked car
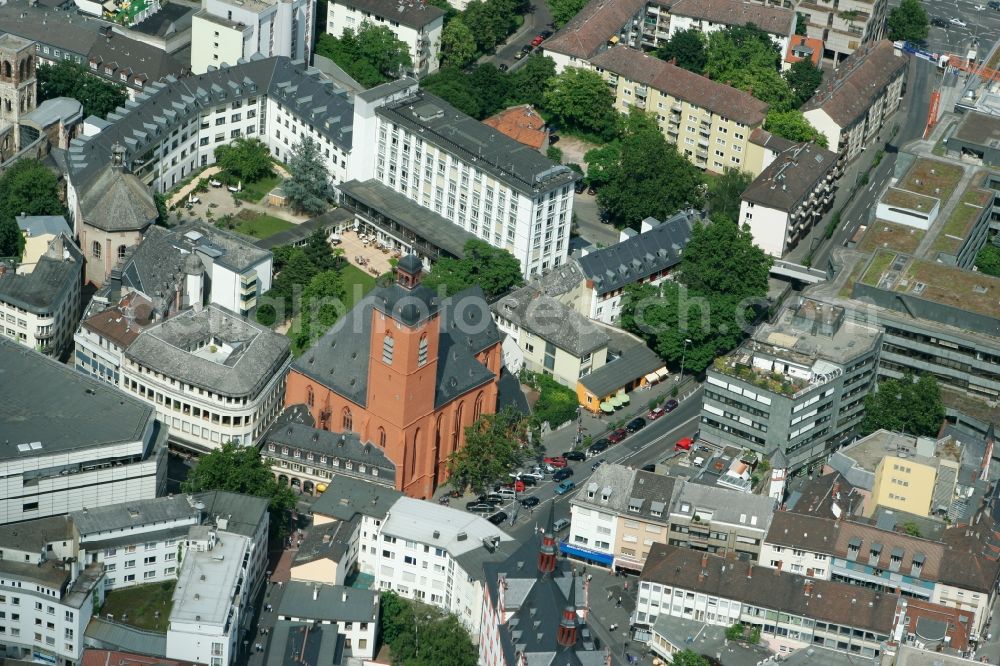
618	435
636	424
553	139
670	405
498	518
503	67
545	468
556	461
580	186
655	413
537	40
560	524
479	507
546	33
994	4
651	467
520	54
959	22
591	190
526	48
528	480
599	446
565	487
562	474
534	475
939	22
574	455
597	464
529	502
517	485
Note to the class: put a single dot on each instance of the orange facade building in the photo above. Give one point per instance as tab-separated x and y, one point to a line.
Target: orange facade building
406	370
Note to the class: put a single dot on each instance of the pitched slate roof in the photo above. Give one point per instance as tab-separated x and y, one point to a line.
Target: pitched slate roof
342	447
589	31
48	281
636	258
339	359
679	83
857	82
775	20
551	320
793	175
117	201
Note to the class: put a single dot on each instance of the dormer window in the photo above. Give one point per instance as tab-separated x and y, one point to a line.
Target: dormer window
874	553
656	509
270	446
297	453
284	450
606	493
634	504
853	549
918	565
591	490
895	559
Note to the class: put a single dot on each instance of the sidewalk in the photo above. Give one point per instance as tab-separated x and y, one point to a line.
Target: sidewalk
597	426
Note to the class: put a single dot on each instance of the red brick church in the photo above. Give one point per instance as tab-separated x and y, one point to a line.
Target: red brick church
406	370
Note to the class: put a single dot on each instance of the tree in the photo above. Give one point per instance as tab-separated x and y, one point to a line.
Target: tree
27	187
793	126
801	24
455	87
911	528
322	305
492	448
554	153
69	79
556	403
908	22
988	260
564	10
421	635
372	55
724	193
492	268
602	162
492	88
687	48
458	44
579	98
244	159
240	469
804	78
905	405
449	11
308	189
649	177
529	81
162	215
490	21
721	258
689	658
746	57
767	85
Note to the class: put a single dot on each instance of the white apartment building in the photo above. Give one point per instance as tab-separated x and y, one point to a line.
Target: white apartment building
40	298
435	554
46	600
74	441
353	611
173	127
103	337
213	376
415	23
467	179
594	514
249	27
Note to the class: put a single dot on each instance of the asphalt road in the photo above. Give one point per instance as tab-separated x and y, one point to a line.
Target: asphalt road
983	25
536	20
588	221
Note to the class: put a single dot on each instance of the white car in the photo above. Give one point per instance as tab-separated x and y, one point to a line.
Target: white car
959	22
980	8
537	475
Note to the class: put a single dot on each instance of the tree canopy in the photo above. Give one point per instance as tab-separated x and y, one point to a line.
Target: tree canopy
579	98
483	90
647	177
421	635
26	187
492	20
494	269
988	260
745	57
455	87
240	469
724	193
793	126
687	48
244	159
688	658
458	44
69	79
371	56
529	81
908	22
804	78
905	405
564	10
710	309
493	447
556	403
308	189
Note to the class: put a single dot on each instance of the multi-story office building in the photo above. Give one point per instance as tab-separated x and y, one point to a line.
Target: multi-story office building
852	108
213	376
720	521
711	15
74	441
40	298
173	127
47	594
417	24
886	561
709	122
844	26
790	612
227	31
461	175
352	611
104	336
797	386
789	197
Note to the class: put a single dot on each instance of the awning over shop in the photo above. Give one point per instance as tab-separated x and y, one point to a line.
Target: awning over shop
586	554
652	378
624	398
662	373
607	407
616	401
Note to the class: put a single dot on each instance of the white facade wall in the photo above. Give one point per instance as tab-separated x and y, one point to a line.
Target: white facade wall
769	226
795	560
107	476
592	528
424	42
359	637
49	331
97	356
203	419
143	562
218	43
284	131
976	602
275	29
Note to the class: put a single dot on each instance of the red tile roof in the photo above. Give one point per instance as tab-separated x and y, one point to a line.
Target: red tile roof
681	84
521	123
775	20
122	323
589	31
801	40
857	83
94	657
926	619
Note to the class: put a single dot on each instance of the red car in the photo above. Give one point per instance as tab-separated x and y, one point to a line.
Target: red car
656	413
556	461
537	40
517	486
618	435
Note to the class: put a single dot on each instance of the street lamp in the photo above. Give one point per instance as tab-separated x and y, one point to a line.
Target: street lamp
687	341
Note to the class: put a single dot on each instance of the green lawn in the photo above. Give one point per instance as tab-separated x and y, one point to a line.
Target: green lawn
139	605
256	191
259	225
357	283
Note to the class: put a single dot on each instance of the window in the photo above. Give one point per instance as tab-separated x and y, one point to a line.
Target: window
409	559
149	560
310	396
348	419
148	575
95	250
121	251
422	351
130	564
387	348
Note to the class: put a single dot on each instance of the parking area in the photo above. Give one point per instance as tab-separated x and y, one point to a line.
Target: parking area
981	25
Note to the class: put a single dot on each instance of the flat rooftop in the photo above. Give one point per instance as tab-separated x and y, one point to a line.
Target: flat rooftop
899	237
817	330
910	200
207	580
978	128
958	226
869	451
932	177
457	531
47	407
931	281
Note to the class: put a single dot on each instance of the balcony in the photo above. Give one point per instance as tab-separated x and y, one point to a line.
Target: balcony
641	91
702	154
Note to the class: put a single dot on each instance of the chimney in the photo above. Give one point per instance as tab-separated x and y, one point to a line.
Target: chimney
547	551
777	569
315	592
567	626
750	571
808	588
704	561
343	597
